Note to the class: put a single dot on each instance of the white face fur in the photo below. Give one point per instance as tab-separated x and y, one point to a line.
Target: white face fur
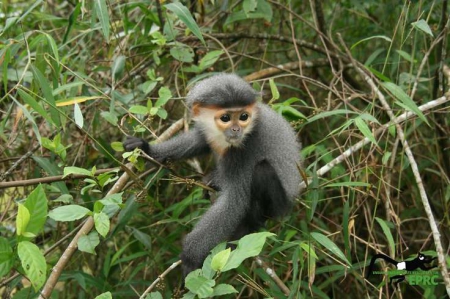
225	127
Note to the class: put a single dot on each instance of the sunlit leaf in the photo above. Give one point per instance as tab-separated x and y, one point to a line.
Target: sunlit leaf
102	14
33	263
68	213
330	245
423	26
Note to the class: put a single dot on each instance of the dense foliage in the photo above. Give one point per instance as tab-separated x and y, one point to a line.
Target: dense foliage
77	76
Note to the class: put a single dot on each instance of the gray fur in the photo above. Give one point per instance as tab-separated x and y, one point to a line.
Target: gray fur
257	180
224	90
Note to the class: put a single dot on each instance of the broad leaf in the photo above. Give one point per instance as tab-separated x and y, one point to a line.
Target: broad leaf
89	242
33	263
68	213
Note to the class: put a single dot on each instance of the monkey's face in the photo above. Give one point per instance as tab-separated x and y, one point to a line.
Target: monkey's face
225	127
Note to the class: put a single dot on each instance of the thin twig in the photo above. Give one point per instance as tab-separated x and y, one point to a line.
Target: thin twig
50	179
160	277
273	275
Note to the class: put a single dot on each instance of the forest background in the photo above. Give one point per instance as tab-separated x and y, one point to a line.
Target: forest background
365	84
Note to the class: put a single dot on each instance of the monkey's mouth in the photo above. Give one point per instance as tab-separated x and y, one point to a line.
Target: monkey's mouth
234	141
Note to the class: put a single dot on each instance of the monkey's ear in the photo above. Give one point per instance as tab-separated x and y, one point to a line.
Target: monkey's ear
134	142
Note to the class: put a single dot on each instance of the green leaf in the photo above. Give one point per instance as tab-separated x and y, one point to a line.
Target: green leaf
64	198
189	295
89	242
117	146
148	87
118	67
44	85
220	259
106	295
110	117
164	96
162	113
6	257
224	289
330	245
199	285
153	110
207	271
78	116
274	90
101	11
101	222
362	126
68	213
399	94
22	219
30	119
142	237
348	184
371	37
387	232
405	55
34	104
33	263
55	63
154	295
209	59
423	26
72	21
138	109
76	170
182	53
326	114
308	248
378	74
248	246
36	203
112	199
263	11
249	6
185	16
386	156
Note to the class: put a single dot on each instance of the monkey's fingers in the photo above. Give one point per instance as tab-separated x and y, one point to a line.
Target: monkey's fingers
134	142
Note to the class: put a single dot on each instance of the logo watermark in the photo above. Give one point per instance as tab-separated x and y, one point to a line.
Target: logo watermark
424	278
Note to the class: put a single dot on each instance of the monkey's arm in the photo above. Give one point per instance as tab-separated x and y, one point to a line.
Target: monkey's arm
183	146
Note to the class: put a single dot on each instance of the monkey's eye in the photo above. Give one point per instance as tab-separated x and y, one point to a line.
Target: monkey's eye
225	118
243	117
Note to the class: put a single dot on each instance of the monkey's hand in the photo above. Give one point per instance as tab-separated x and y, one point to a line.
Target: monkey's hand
134	142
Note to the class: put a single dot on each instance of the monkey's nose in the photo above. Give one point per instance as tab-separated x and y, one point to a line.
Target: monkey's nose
235	128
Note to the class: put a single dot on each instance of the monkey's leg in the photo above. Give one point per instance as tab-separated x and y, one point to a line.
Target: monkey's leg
397	279
217	225
268	195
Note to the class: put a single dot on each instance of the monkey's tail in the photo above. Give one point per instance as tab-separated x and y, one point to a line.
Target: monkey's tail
379	256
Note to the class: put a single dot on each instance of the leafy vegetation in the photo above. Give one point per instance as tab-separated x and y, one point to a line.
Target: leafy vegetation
364	83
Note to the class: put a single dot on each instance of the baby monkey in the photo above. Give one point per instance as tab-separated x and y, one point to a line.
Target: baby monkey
257	158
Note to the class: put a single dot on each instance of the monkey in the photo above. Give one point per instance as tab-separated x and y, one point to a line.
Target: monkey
257	156
418	262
